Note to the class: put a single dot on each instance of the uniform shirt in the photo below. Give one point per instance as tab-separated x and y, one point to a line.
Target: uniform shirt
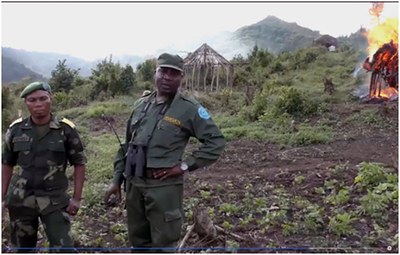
166	138
41	153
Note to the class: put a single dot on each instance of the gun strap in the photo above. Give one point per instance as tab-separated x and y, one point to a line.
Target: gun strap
139	160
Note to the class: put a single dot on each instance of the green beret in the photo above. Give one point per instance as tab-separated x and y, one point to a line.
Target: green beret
35	86
170	61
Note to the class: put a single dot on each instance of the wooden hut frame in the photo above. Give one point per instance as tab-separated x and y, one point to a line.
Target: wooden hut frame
206	70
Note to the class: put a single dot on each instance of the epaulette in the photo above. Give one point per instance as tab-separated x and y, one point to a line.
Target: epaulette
146	93
19	120
189	99
68	122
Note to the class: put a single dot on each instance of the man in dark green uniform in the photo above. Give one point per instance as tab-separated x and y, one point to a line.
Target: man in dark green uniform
41	145
158	131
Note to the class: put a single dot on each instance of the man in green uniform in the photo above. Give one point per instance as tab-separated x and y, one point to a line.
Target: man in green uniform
157	133
41	145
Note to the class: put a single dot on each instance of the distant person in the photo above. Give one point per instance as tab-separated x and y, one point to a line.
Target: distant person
158	131
41	145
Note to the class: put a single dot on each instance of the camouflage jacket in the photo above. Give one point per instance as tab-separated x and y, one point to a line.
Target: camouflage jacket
42	159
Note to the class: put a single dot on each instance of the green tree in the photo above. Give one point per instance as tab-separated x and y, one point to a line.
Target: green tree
62	77
145	71
106	78
128	79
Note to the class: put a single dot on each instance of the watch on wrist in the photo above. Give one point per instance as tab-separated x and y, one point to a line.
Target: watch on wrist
184	166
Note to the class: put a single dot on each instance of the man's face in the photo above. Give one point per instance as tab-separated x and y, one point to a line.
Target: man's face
38	103
167	80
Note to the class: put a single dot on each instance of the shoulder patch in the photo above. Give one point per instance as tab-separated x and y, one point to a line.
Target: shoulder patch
19	120
203	113
68	122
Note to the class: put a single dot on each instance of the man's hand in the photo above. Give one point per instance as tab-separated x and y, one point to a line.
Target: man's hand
73	207
164	173
115	190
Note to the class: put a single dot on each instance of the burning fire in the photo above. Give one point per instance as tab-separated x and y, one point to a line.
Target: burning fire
383	55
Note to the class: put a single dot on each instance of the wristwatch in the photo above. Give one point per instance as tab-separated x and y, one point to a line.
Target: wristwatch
184	166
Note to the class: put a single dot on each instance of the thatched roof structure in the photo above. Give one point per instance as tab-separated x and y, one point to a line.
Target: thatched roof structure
207	70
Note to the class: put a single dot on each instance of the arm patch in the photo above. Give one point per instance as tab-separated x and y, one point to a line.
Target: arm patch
68	122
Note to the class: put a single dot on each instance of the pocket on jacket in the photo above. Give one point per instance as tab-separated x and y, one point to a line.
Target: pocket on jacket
58	153
22	146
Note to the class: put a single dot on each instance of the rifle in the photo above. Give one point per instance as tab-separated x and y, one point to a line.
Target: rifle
111	126
119	141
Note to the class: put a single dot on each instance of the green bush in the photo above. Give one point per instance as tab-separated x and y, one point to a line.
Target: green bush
281	100
311	135
108	109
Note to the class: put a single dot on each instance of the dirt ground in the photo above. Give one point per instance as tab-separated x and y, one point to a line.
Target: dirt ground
257	163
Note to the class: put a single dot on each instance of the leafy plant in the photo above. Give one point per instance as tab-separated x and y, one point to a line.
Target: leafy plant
205	194
369	175
290	228
374	204
247	219
299	179
227	225
341	224
228	209
341	198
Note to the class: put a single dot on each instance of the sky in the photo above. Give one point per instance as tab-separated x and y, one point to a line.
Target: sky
95	30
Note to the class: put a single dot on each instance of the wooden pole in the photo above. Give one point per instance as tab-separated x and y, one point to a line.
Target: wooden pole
205	79
218	78
212	79
192	81
198	78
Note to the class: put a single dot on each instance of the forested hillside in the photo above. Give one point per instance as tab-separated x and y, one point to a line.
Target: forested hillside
14	72
277	35
306	169
43	63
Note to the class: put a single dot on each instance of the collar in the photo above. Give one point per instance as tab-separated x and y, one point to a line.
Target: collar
54	123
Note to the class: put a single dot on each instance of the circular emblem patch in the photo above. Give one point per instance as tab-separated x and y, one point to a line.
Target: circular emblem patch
203	113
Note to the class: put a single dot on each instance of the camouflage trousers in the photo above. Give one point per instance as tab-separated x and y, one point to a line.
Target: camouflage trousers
24	223
155	217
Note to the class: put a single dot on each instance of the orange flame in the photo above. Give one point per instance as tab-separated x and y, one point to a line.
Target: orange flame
383	33
383	45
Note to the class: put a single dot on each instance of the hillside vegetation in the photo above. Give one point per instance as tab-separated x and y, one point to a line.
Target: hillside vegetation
270	33
303	169
13	71
277	35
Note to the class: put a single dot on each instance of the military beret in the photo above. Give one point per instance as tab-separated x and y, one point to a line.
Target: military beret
170	61
35	86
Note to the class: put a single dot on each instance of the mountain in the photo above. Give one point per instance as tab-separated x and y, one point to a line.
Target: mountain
270	33
276	35
14	72
43	62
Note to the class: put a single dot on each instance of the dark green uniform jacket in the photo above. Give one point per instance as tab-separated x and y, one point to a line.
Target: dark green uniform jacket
167	138
41	154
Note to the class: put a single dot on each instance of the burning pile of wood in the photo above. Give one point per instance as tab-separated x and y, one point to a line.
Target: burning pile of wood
384	83
383	60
